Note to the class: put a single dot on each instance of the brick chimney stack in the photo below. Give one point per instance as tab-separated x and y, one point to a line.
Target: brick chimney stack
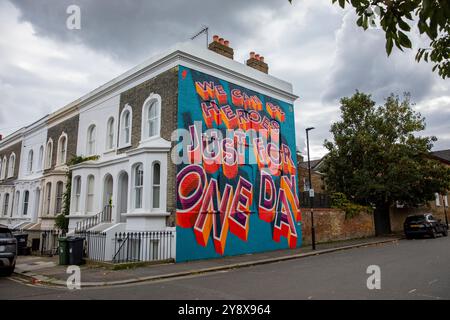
221	46
256	61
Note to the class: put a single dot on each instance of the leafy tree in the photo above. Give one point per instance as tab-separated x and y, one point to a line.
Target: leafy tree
431	17
376	159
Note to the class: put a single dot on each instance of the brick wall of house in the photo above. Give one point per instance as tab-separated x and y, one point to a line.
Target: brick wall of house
331	225
16	148
70	127
317	180
166	85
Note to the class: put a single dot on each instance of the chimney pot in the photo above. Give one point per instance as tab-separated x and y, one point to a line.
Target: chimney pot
256	61
221	46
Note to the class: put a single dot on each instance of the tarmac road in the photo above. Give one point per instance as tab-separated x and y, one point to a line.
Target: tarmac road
409	269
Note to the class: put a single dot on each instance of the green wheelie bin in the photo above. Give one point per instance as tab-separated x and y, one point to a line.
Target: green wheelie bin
63	251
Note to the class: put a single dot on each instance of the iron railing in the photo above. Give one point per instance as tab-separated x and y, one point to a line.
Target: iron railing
320	200
143	246
103	216
94	244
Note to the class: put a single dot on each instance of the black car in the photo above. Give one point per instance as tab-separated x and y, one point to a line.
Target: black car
8	251
424	224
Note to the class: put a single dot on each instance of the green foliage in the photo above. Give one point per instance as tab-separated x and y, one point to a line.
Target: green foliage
79	159
431	17
61	221
375	158
340	201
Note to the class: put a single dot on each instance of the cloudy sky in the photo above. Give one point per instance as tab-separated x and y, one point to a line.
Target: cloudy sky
313	44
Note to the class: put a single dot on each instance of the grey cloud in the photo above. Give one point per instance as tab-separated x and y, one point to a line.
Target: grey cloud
134	30
361	63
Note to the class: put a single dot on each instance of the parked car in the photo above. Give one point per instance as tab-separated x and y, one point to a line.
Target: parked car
8	251
424	224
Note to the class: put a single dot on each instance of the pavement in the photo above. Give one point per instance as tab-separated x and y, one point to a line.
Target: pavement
46	271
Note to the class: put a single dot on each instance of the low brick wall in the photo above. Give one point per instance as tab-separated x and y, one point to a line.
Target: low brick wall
331	225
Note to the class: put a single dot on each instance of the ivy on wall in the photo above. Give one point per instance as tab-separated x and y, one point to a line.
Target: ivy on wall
62	220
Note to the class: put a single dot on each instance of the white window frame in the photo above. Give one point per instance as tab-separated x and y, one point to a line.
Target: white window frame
90	194
91	140
59	197
25	202
41	158
153	100
12	165
110	134
4	167
62	149
154	185
30	161
77	193
138	186
123	128
5	203
445	200
16	203
48	197
48	154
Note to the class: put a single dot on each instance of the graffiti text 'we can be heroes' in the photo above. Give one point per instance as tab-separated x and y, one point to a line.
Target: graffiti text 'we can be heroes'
252	137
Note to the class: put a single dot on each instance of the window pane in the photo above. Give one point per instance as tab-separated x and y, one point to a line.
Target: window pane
156	174
25	203
139	178
156	197
6	204
90	195
138	200
49	191
151	128
152	110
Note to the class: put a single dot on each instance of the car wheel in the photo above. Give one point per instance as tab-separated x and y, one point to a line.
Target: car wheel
9	271
445	232
408	236
433	233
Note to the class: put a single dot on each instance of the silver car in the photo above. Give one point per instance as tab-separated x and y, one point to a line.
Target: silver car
8	251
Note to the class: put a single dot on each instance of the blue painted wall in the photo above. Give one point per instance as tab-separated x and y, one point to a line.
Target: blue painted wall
260	233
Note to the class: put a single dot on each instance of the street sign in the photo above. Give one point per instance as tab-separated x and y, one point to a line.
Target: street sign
311	193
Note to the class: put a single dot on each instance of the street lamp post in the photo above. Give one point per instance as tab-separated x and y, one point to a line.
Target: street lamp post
311	194
445	211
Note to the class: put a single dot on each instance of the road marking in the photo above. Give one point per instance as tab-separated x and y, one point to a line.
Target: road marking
432	281
413	290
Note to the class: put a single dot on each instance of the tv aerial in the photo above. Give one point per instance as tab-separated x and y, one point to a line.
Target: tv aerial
204	31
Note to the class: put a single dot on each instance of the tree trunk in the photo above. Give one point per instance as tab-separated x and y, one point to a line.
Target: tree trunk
382	219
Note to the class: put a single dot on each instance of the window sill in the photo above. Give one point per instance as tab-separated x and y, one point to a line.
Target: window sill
126	145
152	138
146	214
109	151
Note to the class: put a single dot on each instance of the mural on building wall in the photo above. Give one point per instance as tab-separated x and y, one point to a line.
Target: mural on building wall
237	186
